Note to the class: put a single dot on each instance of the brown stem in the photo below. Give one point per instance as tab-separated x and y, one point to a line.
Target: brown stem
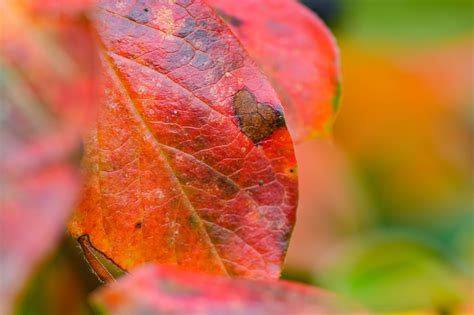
102	273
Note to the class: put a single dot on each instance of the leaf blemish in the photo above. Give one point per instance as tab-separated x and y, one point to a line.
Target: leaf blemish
232	20
193	221
257	120
139	13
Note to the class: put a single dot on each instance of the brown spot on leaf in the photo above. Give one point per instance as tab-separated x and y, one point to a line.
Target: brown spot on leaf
292	171
138	225
193	221
232	20
257	120
227	187
140	13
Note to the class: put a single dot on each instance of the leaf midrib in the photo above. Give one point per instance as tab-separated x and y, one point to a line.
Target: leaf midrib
140	119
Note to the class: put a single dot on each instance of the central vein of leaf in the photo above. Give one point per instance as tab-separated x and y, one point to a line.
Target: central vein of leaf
113	72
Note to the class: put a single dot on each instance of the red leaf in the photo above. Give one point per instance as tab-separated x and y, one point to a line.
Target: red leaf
47	67
298	54
190	163
164	290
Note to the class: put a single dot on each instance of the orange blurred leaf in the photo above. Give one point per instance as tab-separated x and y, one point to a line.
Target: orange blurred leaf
405	135
329	206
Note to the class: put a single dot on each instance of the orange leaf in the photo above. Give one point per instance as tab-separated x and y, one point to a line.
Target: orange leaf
63	7
47	72
298	54
165	290
191	163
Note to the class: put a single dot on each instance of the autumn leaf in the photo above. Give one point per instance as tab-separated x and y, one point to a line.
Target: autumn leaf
190	163
297	52
157	289
47	95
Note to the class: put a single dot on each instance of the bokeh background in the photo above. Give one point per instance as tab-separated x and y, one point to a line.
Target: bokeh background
389	221
386	212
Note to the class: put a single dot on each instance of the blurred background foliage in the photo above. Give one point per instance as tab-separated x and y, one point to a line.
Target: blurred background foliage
386	212
389	219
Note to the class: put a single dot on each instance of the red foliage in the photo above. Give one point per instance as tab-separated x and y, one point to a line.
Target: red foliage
165	290
297	52
190	163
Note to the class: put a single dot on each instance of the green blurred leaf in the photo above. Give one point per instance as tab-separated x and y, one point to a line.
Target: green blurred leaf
408	20
394	271
463	239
